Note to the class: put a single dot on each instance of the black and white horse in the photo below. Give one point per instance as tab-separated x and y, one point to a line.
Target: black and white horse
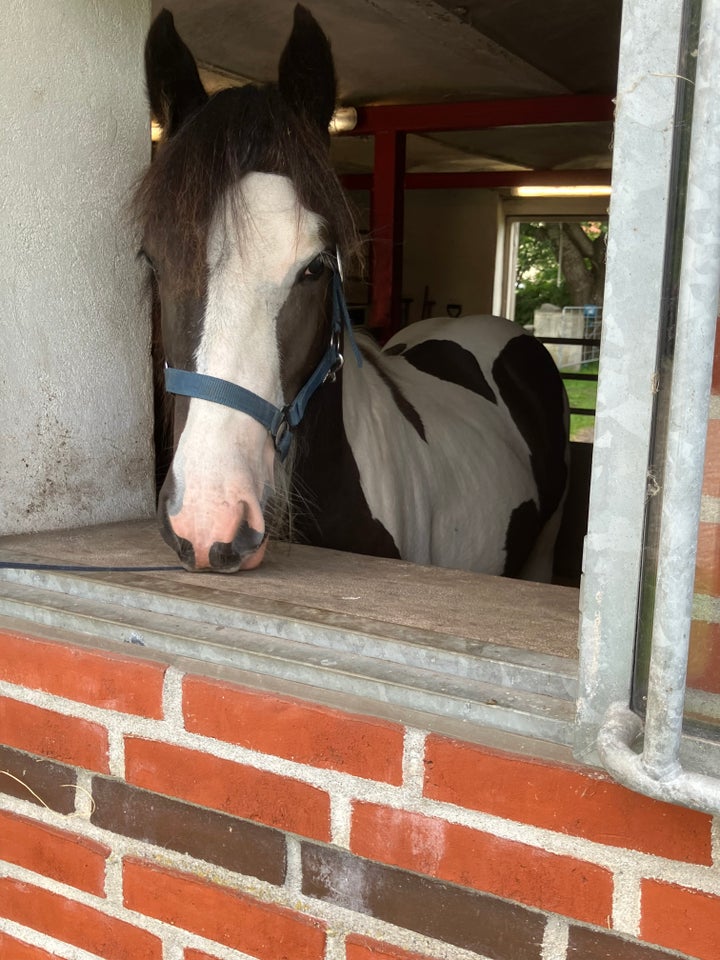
447	447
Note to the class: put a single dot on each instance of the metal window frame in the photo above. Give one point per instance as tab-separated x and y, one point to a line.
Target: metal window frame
649	756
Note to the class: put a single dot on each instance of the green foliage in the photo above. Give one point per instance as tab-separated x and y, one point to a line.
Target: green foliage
537	273
536	254
537	265
529	295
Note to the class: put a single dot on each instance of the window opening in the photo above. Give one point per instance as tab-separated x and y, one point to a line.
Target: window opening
557	270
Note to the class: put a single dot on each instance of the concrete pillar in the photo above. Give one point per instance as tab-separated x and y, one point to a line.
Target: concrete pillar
75	378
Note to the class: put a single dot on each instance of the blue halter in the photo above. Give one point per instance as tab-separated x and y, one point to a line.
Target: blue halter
278	421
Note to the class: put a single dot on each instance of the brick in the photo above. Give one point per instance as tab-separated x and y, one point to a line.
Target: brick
564	799
362	948
76	924
463	918
197	955
711	475
39	781
680	919
289	728
13	949
54	735
716	362
229	787
239	845
585	944
100	679
57	854
232	919
704	659
471	858
707	566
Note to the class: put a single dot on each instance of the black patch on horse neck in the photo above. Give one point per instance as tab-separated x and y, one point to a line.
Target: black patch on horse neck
399	398
394	350
522	532
448	361
333	511
532	389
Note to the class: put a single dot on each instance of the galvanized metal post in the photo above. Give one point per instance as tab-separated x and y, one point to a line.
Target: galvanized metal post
642	165
657	770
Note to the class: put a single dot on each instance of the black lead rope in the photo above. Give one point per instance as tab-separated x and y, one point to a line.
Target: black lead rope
73	568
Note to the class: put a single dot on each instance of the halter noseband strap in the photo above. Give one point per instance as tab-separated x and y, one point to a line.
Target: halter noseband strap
278	421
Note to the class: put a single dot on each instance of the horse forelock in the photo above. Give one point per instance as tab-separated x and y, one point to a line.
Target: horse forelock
238	131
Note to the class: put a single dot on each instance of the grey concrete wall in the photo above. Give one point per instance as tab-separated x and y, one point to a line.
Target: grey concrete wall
75	386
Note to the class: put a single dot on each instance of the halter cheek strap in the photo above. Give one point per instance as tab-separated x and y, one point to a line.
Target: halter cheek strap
278	421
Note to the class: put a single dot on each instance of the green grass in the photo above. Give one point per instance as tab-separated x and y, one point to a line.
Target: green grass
582	393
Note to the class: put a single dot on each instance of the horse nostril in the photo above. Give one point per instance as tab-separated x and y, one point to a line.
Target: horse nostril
228	557
185	552
182	547
247	539
224	558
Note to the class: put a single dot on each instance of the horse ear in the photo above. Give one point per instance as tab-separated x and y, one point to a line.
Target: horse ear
173	83
306	74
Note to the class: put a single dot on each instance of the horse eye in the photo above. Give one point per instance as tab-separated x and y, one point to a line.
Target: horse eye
314	270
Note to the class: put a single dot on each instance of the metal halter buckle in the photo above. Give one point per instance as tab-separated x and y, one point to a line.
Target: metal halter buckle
282	429
332	373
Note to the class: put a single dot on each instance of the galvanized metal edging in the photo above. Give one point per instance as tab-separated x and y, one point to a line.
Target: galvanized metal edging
657	768
621	729
276	646
689	403
642	169
540	673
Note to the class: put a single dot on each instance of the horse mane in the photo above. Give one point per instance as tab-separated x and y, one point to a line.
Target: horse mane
236	132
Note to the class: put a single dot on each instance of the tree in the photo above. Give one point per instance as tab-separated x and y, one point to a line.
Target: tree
575	251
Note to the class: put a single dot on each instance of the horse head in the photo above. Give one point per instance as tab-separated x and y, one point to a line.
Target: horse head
242	217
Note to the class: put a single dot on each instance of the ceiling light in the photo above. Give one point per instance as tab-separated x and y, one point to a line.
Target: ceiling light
343	120
575	191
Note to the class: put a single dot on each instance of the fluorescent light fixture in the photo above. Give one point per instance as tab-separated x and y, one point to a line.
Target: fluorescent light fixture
572	191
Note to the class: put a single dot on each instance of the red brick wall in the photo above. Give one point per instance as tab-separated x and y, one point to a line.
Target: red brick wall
147	813
704	662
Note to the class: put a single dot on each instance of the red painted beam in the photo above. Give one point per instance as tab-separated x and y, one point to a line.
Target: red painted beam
387	212
389	125
486	180
481	114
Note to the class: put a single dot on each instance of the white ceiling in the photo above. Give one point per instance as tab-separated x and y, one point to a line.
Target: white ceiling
430	51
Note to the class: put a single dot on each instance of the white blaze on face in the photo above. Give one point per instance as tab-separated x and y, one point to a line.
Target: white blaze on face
224	461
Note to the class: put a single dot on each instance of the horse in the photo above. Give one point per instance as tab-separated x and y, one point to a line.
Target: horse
448	446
